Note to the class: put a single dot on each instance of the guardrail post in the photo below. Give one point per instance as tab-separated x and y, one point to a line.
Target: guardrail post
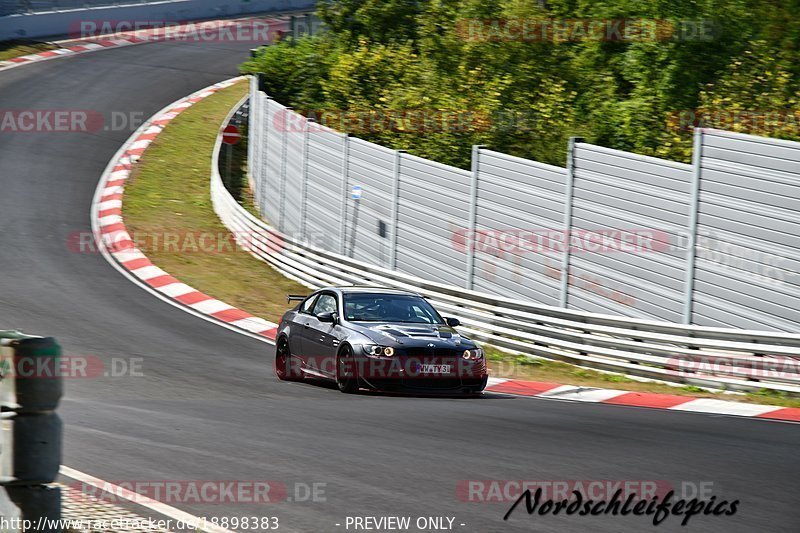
262	171
304	187
284	155
30	455
345	193
255	134
472	221
568	199
252	128
398	155
694	207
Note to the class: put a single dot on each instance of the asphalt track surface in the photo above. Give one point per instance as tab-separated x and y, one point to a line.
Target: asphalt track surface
209	408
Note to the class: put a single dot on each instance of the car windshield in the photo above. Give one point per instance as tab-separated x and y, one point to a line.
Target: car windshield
389	308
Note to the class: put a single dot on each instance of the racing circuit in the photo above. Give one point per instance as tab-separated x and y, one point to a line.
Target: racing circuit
208	406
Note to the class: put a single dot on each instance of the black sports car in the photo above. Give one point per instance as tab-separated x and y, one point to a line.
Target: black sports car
378	339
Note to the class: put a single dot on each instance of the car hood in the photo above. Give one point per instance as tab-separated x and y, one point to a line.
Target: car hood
412	335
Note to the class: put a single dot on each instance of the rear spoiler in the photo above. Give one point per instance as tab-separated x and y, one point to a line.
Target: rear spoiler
295	298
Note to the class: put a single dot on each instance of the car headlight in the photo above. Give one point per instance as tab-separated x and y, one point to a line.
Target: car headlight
473	355
379	351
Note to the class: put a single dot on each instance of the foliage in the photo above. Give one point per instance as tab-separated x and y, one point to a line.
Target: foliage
527	97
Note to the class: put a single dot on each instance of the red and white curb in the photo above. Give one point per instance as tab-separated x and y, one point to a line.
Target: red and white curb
179	33
116	244
670	402
72	50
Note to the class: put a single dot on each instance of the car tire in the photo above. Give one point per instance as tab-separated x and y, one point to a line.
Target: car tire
346	381
284	368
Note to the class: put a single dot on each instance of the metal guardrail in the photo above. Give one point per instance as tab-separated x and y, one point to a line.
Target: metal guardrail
704	356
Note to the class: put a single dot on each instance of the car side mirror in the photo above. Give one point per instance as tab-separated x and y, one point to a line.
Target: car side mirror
453	322
327	317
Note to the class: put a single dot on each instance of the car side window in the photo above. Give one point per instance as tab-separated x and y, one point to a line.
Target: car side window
308	304
326	303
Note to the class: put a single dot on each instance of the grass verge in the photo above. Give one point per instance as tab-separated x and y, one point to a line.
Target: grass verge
168	194
12	49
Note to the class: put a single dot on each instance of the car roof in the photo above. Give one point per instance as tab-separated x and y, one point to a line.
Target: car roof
370	290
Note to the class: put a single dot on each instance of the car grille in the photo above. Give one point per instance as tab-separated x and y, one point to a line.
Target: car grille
434	353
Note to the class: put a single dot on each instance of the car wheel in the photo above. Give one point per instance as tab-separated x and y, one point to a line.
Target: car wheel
284	369
346	375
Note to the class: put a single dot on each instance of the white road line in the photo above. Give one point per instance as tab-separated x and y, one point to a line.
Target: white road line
144	501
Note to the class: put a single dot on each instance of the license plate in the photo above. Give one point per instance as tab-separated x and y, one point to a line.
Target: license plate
434	369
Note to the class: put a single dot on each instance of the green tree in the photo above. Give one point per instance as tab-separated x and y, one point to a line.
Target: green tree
527	97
